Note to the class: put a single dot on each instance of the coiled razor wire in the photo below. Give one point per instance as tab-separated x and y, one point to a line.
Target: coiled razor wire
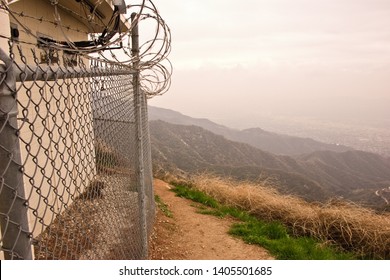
75	161
113	42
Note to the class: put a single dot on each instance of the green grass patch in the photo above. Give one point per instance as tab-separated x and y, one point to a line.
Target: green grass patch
163	207
273	236
195	195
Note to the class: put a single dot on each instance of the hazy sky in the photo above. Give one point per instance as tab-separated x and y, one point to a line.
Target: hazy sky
326	59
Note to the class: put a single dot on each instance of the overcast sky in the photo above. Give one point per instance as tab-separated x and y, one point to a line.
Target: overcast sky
325	59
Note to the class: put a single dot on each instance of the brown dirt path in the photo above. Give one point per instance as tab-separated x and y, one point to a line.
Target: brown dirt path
193	236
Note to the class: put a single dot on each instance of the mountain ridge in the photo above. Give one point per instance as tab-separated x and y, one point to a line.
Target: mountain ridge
321	175
275	143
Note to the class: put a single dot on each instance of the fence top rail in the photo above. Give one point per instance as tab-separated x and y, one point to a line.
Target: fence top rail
53	73
44	72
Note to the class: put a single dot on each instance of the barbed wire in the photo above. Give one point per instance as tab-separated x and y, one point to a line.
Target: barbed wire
109	38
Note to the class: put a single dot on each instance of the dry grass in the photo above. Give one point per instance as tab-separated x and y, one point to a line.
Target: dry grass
101	223
352	227
70	234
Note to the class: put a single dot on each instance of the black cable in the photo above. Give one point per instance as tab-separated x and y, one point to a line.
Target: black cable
103	39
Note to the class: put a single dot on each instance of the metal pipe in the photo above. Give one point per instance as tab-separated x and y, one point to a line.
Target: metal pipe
139	136
16	237
54	73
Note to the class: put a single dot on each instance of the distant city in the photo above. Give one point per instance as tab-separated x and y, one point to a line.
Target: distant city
370	137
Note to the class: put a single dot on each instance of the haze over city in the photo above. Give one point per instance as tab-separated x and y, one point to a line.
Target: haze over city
277	64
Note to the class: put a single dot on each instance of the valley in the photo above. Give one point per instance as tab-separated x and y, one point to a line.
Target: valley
316	173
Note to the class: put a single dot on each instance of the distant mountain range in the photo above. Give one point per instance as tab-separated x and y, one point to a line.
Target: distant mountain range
318	175
267	141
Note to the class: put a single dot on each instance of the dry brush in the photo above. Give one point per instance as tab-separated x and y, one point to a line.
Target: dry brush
350	226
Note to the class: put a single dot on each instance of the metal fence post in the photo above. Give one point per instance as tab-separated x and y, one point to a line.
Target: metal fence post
139	135
15	240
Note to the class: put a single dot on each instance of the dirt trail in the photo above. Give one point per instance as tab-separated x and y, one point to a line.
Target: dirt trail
193	236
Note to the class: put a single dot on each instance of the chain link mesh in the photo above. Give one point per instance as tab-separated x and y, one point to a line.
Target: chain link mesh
70	159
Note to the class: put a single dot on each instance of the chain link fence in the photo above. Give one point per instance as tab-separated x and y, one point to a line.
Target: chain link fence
75	161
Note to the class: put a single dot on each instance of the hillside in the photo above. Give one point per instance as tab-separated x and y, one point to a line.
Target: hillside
354	175
267	141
